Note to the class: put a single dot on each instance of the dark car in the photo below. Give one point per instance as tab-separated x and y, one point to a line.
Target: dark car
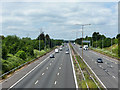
52	56
99	60
80	46
67	49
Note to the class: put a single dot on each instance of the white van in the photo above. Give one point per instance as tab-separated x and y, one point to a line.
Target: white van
56	51
85	47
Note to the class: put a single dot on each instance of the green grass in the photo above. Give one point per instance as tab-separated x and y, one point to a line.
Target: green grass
111	51
85	69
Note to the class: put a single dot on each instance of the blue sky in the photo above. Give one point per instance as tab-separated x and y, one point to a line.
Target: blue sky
58	19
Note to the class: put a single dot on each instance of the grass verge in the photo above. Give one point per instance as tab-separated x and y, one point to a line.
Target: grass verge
87	73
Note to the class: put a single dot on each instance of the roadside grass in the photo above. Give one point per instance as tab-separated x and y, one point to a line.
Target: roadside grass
87	72
110	51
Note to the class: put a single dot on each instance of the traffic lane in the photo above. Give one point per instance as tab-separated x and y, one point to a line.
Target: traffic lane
110	67
30	80
104	77
107	65
49	78
101	55
19	74
65	74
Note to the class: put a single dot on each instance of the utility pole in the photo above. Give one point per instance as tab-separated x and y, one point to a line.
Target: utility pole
82	35
111	45
102	42
39	38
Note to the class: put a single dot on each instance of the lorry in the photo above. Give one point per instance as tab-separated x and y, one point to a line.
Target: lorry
85	47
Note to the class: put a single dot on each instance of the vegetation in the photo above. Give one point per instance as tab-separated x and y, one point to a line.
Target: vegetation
16	51
87	73
103	43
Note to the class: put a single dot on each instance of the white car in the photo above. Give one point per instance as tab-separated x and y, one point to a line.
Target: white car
67	52
61	49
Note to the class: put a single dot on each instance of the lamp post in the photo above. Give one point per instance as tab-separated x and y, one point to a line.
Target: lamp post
82	35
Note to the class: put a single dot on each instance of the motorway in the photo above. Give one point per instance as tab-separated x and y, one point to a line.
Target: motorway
44	73
107	71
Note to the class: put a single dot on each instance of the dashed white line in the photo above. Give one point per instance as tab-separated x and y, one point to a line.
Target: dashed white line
61	64
43	73
36	82
59	67
46	67
55	82
113	76
58	74
50	64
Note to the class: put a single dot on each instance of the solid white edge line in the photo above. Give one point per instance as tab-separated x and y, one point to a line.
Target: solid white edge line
73	70
92	71
28	73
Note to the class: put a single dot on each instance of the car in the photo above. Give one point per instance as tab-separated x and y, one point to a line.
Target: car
60	48
67	49
67	52
80	46
99	60
52	56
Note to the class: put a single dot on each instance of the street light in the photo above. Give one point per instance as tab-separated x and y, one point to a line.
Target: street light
82	35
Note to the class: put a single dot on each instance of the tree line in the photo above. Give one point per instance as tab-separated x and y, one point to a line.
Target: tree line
101	41
22	49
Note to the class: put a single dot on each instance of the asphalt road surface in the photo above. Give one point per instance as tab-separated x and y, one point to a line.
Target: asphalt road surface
107	71
45	73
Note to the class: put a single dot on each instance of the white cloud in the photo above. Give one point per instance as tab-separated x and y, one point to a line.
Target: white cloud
57	18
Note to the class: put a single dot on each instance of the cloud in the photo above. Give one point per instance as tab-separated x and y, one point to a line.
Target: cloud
58	19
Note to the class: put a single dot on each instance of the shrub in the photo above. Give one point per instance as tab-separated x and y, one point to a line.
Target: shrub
21	54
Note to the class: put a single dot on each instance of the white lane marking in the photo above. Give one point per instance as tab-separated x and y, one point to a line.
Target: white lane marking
55	82
95	62
105	62
92	59
50	64
46	67
29	64
73	69
52	61
36	82
43	73
58	74
104	57
28	73
113	76
115	62
61	64
91	70
59	67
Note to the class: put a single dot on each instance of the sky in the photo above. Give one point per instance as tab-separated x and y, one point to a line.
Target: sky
59	19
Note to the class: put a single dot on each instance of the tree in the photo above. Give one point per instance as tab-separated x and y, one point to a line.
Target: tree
41	36
118	37
4	52
21	54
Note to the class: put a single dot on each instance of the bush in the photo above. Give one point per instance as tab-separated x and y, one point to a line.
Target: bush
21	54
